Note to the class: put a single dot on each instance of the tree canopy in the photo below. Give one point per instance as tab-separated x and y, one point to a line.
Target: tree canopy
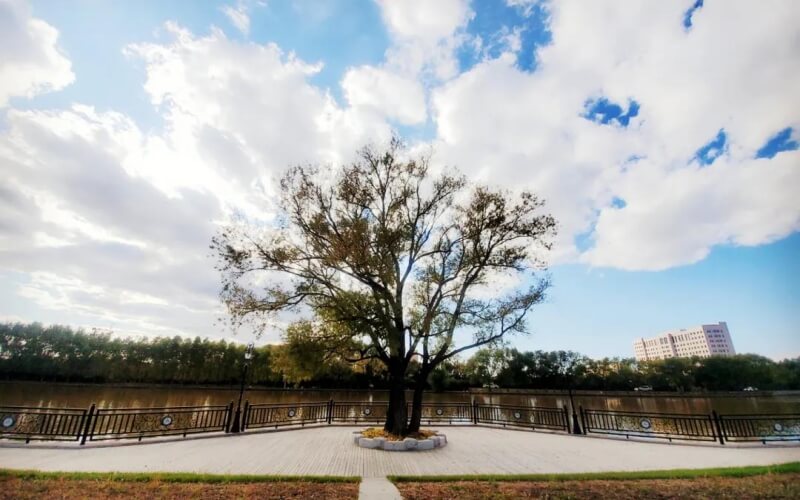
393	262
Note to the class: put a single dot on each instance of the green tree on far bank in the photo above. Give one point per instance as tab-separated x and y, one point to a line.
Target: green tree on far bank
59	353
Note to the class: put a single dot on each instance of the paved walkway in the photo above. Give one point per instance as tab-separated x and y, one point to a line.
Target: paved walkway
378	488
330	451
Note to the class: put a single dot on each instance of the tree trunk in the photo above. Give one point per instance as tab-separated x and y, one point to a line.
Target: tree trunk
397	414
416	402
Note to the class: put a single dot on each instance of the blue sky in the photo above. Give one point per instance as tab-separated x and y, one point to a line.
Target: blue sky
671	166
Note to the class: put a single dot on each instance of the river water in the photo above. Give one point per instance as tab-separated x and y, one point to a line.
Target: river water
58	395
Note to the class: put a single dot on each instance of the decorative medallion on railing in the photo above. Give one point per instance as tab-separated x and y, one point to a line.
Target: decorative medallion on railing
691	427
445	412
764	428
359	411
523	416
8	422
277	415
23	422
138	423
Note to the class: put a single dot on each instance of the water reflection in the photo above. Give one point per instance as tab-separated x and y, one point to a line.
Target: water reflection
81	396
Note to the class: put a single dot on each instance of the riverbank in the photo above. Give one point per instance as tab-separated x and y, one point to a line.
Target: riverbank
480	391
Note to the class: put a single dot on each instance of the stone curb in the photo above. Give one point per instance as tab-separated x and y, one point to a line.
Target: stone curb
408	444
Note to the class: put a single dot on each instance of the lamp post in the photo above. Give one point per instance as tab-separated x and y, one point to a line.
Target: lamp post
248	355
567	375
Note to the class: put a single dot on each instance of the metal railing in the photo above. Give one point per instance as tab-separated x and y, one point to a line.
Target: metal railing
277	415
53	424
551	418
450	413
690	427
359	411
72	424
122	423
764	428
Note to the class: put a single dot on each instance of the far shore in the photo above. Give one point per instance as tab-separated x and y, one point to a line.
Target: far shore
472	390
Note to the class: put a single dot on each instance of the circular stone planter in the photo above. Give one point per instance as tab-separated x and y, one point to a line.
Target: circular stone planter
408	444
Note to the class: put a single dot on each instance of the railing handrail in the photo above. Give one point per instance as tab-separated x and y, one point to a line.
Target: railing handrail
361	402
757	415
521	407
40	408
158	408
443	404
288	405
647	413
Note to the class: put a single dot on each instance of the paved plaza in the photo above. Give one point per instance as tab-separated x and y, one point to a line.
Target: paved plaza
330	451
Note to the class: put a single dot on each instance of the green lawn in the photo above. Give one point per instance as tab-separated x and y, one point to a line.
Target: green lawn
735	483
172	477
792	467
34	485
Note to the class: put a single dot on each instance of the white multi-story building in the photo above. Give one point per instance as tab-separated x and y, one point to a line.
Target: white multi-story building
701	341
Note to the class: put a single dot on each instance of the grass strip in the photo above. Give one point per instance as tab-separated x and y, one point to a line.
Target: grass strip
171	477
754	470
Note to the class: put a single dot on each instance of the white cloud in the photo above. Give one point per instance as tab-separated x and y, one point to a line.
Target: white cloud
526	6
397	97
729	71
425	21
252	101
111	224
238	16
676	217
425	35
31	62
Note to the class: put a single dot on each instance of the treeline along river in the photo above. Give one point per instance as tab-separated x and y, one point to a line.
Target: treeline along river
60	354
41	366
62	395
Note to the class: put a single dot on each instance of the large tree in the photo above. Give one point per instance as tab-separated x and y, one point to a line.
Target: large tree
394	263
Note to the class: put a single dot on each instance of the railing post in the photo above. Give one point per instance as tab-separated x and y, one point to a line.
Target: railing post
583	419
474	412
245	415
87	424
229	417
576	428
330	411
718	426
